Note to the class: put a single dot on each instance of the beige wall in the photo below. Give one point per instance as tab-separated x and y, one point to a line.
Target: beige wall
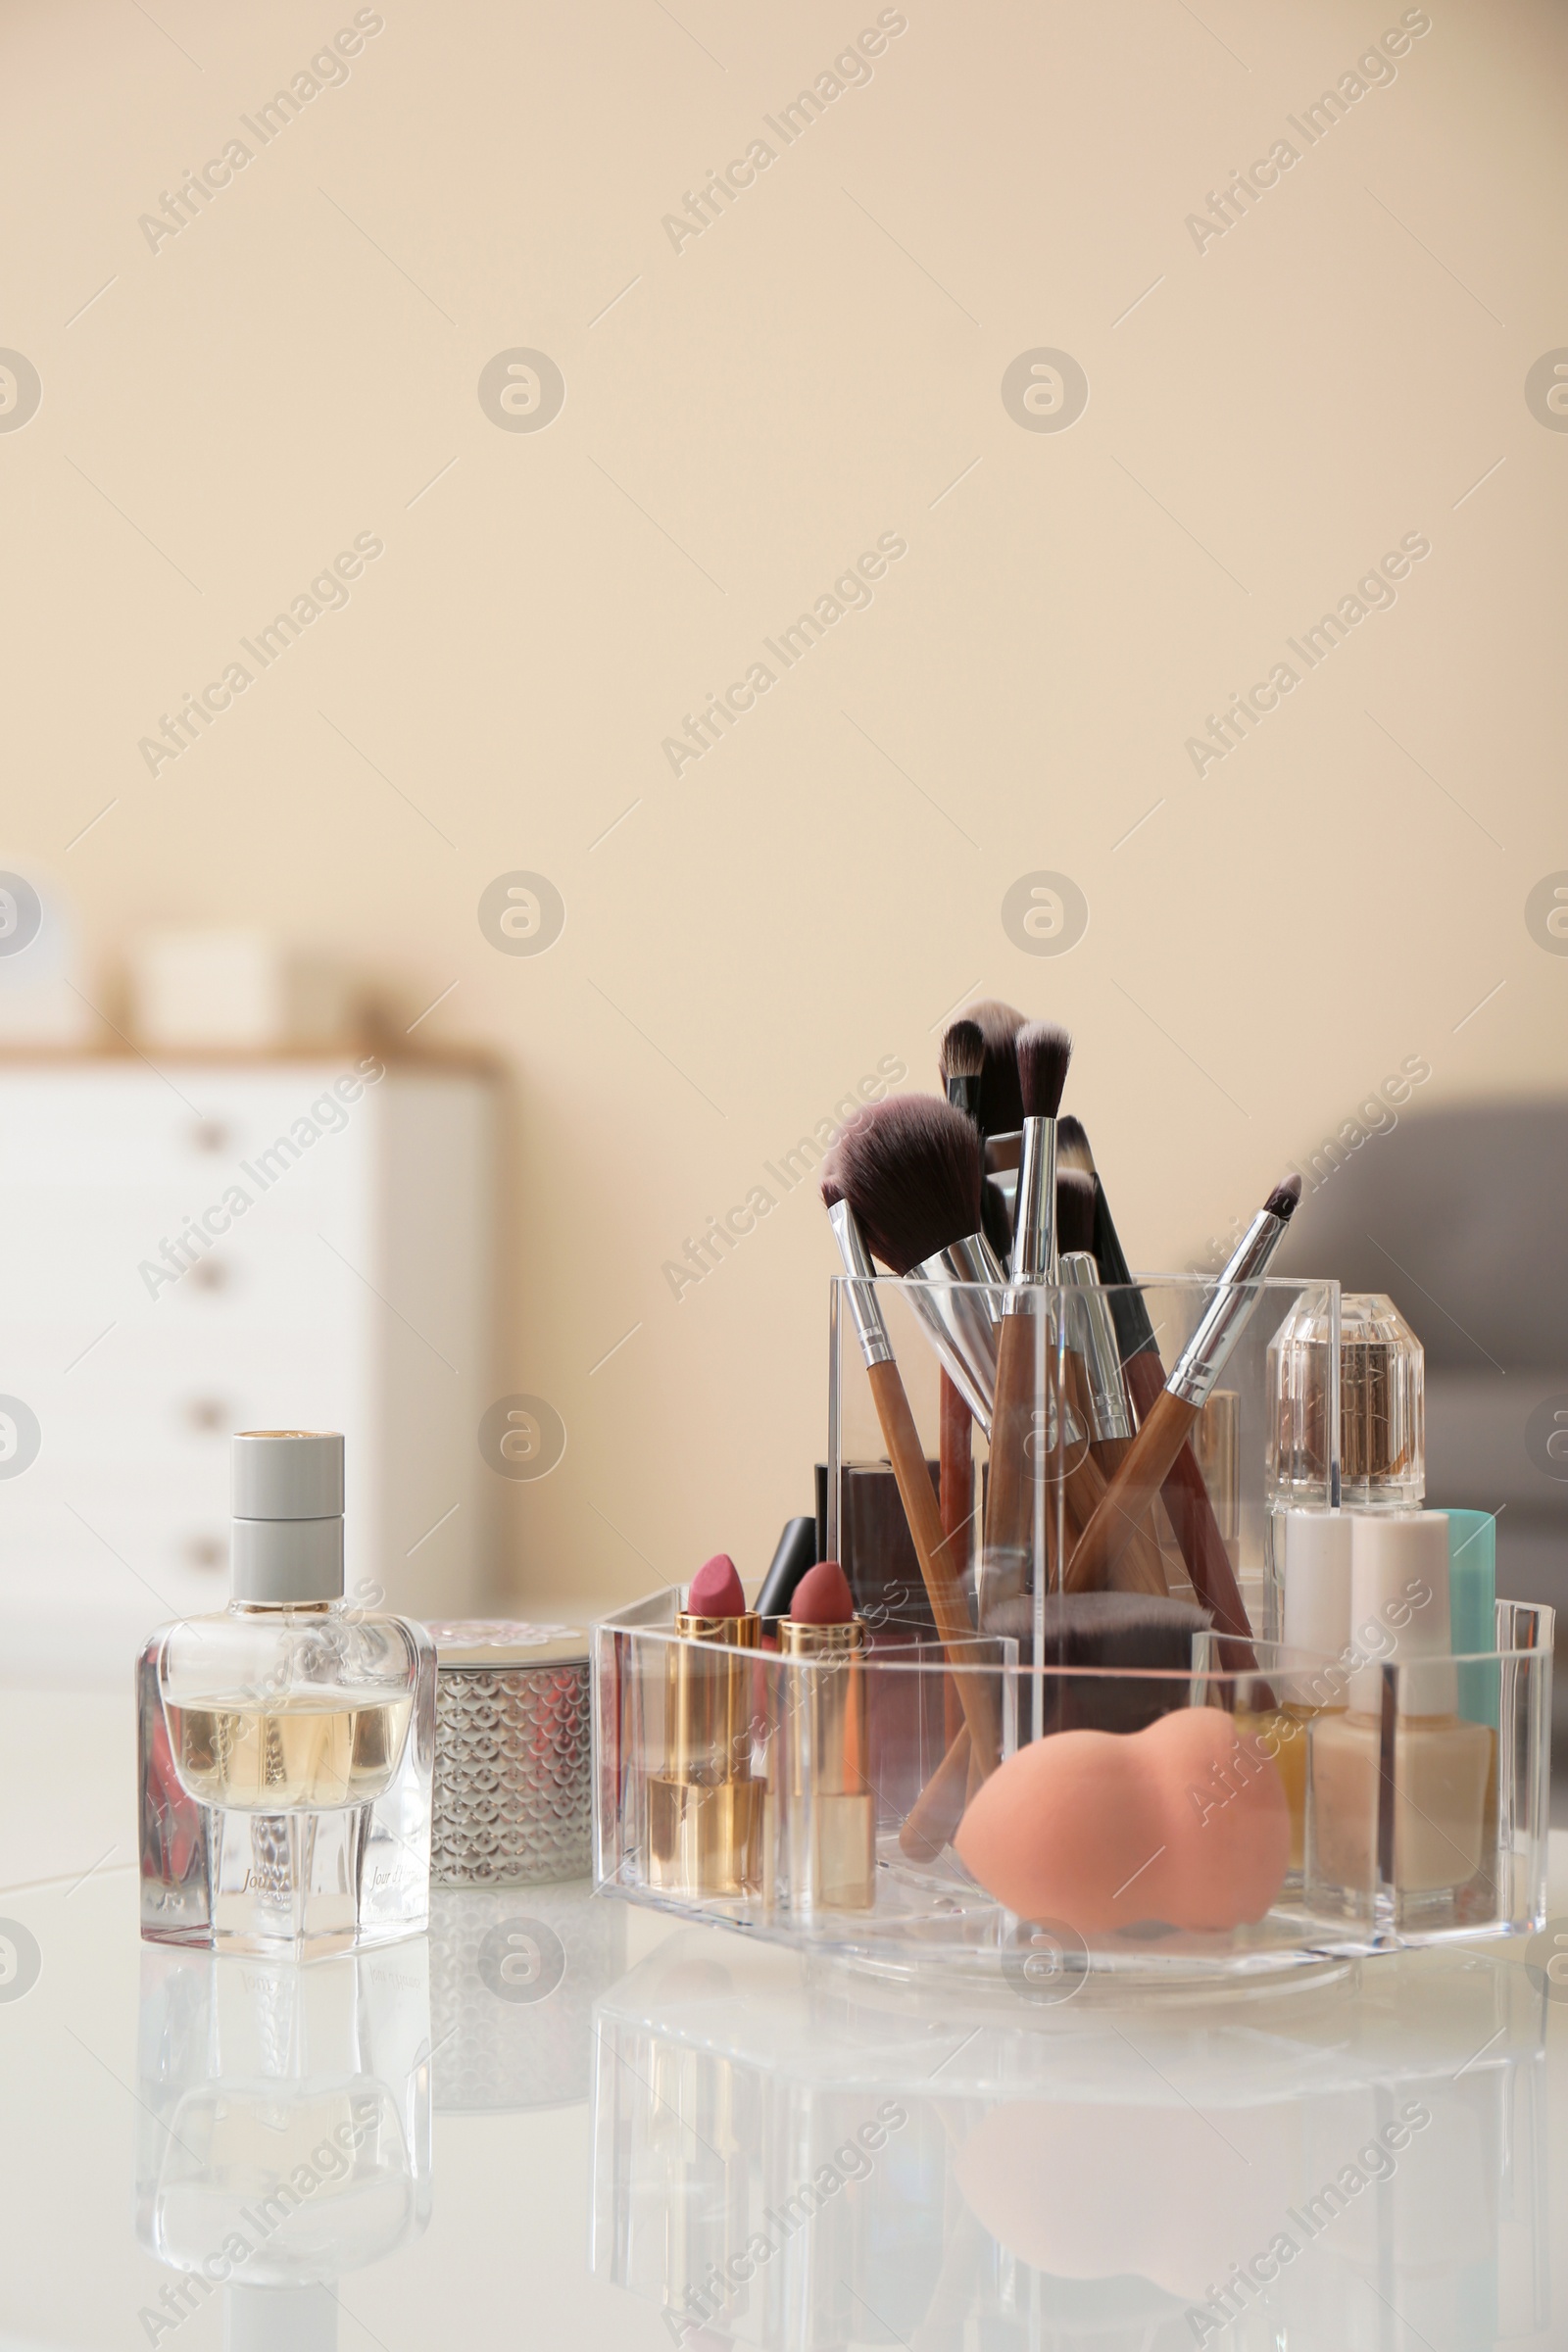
813	371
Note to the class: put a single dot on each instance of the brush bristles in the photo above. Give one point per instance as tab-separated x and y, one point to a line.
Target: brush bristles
1282	1200
1072	1147
1075	1211
831	1191
909	1169
1001	1103
998	1023
1042	1049
963	1051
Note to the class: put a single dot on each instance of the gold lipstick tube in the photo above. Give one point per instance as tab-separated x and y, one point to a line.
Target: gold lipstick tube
823	1767
704	1809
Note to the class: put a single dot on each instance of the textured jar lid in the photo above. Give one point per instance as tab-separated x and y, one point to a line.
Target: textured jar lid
492	1642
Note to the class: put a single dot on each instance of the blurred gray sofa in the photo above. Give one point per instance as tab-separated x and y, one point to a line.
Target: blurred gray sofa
1460	1216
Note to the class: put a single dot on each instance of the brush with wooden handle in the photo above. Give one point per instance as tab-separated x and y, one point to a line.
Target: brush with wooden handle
1095	1395
960	1060
909	1169
999	1107
1184	1493
1043	1050
1174	1415
1094	1387
844	1188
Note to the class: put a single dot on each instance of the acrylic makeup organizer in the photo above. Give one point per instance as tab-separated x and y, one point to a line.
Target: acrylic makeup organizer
1352	1884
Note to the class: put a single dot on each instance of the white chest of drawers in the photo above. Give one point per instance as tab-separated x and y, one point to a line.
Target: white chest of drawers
207	1246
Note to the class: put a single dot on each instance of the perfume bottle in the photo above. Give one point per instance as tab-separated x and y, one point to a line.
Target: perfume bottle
286	1743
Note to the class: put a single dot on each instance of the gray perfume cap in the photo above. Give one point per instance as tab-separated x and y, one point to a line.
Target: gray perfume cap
288	1474
288	1541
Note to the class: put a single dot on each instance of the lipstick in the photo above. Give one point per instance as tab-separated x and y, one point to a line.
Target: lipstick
704	1809
823	1763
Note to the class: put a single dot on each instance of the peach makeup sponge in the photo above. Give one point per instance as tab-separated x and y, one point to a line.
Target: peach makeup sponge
1183	1822
1109	2191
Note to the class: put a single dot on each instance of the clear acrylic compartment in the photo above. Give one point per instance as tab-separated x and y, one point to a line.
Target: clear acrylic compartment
766	1815
1012	1498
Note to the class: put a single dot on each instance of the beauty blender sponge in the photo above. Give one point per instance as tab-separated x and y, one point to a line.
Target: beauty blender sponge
823	1596
1111	2189
1182	1822
715	1590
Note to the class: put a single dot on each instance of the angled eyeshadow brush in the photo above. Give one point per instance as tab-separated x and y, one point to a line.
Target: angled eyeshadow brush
1172	1417
1184	1493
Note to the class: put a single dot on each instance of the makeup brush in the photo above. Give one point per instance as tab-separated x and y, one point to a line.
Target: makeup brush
1174	1415
1098	1428
909	1169
1104	1399
1000	1115
1041	1052
1184	1493
960	1060
1093	1636
1001	1103
904	1449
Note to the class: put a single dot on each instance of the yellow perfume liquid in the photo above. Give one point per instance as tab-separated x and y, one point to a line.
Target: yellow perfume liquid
314	1750
286	1743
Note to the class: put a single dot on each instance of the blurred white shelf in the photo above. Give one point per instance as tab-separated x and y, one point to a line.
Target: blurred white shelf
352	1289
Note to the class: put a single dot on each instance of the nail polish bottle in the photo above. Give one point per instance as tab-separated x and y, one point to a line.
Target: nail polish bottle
286	1743
1315	1548
1398	1784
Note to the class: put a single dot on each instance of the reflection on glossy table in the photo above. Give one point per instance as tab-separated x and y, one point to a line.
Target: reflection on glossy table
559	2120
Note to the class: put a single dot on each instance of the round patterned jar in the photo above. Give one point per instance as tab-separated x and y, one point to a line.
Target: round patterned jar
511	1754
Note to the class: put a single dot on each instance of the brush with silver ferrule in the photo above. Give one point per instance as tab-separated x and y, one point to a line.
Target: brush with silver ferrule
1184	1494
1110	1419
998	1024
1000	1112
1173	1416
961	1060
1043	1052
906	1452
1091	1376
909	1169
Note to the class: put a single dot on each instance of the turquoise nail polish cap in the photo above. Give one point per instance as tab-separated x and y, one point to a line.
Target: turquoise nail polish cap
1473	1608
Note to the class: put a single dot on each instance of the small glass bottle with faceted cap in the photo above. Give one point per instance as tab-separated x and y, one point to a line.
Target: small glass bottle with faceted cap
287	1742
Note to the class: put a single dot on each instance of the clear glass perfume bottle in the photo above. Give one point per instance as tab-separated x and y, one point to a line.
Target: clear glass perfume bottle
286	1743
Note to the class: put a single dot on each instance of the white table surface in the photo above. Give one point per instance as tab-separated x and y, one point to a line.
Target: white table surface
1060	2176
